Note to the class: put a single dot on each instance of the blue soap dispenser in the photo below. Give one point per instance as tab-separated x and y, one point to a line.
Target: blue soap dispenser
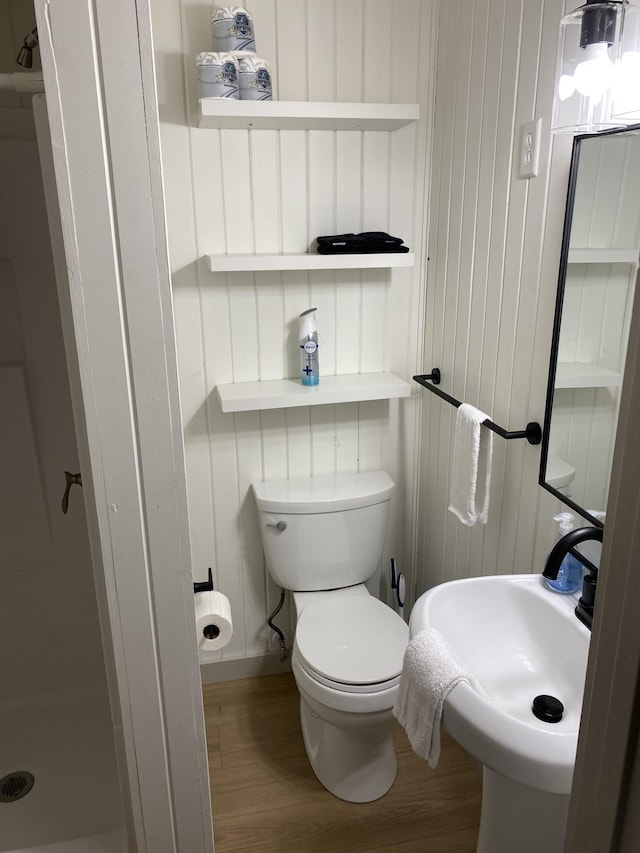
310	373
571	569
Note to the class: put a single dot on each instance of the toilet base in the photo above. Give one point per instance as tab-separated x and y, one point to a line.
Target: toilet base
355	759
516	817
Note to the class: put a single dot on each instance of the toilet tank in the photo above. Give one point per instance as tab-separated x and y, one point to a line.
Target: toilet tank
324	532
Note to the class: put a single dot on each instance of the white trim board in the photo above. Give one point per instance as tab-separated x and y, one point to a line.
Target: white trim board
106	151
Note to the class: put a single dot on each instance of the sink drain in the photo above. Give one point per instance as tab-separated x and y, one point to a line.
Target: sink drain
547	708
16	785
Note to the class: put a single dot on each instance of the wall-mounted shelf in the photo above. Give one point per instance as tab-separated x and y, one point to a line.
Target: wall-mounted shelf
308	261
580	375
225	114
603	256
288	393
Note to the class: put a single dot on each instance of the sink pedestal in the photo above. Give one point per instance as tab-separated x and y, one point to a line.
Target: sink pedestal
517	817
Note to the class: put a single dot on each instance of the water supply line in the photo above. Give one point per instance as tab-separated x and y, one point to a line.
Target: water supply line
284	651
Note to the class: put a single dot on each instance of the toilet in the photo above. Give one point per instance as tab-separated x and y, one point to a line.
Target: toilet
323	537
560	474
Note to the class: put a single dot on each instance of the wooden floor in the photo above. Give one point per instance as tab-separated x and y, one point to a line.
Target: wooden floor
266	798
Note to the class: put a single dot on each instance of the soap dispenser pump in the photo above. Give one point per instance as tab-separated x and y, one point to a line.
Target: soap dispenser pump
571	569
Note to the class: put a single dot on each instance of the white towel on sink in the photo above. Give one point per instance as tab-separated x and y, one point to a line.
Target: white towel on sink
430	671
471	467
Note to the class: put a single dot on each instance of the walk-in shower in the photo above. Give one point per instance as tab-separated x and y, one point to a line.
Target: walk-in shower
59	788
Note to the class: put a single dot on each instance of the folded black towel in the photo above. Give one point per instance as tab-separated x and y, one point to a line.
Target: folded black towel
342	240
363	243
343	249
373	248
380	237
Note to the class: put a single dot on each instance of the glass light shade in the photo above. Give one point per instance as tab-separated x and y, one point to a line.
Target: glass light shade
587	68
626	97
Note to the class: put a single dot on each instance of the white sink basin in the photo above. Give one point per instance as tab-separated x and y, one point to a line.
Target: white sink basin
519	640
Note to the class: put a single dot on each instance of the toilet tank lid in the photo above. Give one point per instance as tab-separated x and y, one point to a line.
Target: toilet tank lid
331	493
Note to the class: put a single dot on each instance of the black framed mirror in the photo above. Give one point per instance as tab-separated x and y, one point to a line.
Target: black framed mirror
596	288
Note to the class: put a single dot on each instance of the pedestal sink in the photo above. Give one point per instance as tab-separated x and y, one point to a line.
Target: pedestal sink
520	641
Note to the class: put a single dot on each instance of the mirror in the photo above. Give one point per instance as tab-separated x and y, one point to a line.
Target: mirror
596	287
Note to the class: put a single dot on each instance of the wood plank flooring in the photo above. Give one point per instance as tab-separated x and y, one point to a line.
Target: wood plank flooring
266	798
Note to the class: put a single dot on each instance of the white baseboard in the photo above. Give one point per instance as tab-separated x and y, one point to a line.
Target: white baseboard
212	672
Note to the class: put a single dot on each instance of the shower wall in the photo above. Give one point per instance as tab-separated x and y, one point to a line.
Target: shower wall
55	719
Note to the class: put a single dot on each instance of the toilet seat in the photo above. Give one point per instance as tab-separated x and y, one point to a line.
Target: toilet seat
354	645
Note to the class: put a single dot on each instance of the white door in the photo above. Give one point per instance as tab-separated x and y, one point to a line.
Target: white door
102	113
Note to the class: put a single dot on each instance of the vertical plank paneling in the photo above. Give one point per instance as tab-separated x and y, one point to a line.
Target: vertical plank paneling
228	549
293	192
349	47
323	440
264	14
244	327
272	337
321	49
489	275
265	190
377	57
299	442
275	191
254	603
291	41
347	439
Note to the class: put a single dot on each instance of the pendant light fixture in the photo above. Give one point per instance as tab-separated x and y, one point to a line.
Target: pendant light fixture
626	97
598	54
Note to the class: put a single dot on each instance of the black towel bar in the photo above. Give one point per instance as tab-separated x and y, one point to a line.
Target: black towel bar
533	432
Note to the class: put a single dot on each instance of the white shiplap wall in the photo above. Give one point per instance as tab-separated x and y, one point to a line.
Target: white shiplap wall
494	247
270	191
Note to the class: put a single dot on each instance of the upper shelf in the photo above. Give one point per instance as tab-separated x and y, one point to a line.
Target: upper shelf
603	256
308	261
227	114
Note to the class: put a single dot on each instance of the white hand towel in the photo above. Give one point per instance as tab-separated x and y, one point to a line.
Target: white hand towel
471	467
429	673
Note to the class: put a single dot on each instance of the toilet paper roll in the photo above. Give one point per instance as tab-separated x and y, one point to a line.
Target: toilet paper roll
214	628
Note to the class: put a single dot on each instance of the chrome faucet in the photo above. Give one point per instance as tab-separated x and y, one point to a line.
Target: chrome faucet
584	610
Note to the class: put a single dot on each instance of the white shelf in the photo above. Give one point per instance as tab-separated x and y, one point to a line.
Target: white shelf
226	114
288	393
580	375
603	256
309	261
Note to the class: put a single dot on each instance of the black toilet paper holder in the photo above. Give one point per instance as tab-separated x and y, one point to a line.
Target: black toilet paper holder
204	586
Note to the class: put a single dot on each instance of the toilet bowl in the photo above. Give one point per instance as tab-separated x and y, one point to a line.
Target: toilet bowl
323	537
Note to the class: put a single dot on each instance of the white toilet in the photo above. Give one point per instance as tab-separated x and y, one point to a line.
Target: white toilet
323	537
